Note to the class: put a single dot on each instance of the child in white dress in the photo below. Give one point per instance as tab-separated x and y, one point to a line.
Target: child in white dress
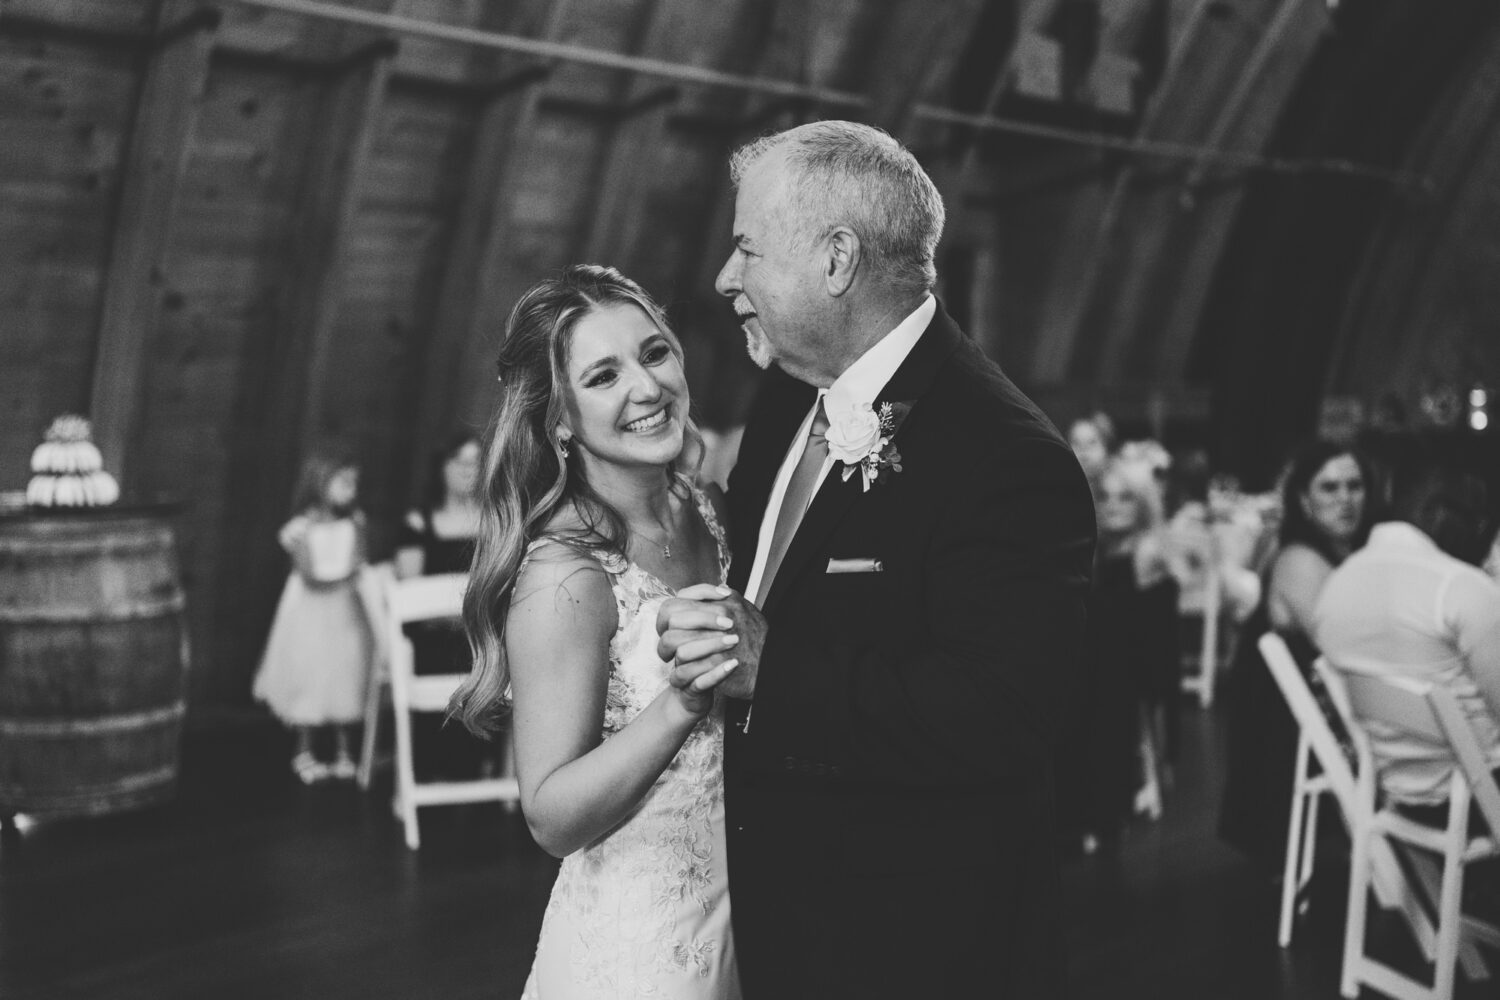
317	659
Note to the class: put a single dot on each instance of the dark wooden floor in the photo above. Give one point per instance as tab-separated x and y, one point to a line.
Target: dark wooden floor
250	885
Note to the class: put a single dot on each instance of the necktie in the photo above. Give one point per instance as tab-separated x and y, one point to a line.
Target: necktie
799	493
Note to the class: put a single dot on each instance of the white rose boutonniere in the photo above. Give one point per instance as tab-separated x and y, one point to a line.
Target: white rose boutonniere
852	435
860	438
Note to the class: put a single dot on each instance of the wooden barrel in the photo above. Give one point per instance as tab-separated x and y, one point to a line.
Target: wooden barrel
93	660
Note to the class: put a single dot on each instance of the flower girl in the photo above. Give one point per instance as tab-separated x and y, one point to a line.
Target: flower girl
317	657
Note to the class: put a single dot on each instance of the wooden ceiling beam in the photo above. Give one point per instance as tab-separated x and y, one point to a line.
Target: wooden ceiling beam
1030	18
327	206
522	79
561	51
1245	120
783	52
305	64
916	53
290	417
634	146
469	311
613	112
1068	301
803	102
1422	285
154	162
38	19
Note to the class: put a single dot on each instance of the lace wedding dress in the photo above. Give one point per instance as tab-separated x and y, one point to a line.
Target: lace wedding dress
644	911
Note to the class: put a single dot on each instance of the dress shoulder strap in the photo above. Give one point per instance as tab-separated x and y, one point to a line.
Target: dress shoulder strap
710	518
612	563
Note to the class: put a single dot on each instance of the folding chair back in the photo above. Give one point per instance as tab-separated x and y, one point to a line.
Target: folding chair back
1477	769
1394	703
427	598
1312	724
1379	702
1324	768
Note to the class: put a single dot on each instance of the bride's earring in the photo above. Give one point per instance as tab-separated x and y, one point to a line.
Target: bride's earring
562	445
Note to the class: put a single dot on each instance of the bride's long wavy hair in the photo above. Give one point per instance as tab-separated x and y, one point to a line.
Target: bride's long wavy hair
528	479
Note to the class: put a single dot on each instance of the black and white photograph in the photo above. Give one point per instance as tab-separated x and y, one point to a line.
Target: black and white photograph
749	499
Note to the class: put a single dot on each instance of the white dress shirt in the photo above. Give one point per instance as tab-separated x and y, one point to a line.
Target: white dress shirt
860	383
1403	605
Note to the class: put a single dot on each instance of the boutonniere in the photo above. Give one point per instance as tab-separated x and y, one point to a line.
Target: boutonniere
861	439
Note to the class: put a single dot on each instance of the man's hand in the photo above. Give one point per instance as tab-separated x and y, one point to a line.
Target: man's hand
704	629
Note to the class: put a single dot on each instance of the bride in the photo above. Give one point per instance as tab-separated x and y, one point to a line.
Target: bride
591	519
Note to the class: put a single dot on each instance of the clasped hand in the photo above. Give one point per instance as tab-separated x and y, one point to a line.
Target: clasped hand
713	638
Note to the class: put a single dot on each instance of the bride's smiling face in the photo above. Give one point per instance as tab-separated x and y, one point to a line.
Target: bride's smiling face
628	397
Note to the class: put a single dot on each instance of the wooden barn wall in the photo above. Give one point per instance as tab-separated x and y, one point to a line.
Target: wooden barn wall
221	277
65	109
1137	242
1421	327
355	214
1083	269
1325	274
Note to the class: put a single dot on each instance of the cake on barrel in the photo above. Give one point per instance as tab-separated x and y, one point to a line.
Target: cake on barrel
67	469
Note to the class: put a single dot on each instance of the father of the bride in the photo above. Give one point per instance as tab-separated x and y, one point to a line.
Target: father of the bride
914	542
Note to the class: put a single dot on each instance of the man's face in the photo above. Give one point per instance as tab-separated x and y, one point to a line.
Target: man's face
772	278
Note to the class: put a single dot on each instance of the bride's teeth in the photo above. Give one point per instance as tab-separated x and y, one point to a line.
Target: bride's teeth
644	423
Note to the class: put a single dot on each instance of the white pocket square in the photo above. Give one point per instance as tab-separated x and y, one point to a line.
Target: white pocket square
855	566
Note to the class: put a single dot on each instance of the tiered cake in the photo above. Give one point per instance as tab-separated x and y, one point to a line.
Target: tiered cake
67	469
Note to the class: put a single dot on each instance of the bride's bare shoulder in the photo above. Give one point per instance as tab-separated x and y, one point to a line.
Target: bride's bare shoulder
563	571
561	588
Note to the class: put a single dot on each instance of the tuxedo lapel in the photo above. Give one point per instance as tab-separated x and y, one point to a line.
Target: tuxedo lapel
836	495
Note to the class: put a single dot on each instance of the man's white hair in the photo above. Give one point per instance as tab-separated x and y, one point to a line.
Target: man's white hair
848	174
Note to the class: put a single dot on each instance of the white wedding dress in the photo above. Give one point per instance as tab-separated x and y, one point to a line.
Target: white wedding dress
644	911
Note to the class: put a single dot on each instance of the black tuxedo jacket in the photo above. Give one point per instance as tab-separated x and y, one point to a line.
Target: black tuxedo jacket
890	801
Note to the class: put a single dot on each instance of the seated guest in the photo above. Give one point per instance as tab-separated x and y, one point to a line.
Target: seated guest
1413	603
438	537
1324	517
1092	439
1126	708
1216	537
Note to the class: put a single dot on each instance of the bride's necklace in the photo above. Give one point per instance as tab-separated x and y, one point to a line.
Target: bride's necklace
665	545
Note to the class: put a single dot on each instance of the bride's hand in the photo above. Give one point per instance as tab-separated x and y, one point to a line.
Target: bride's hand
703	662
687	625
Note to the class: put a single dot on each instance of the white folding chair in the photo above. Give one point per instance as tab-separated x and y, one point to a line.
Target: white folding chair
1205	602
1323	769
425	598
1432	715
1424	877
380	682
372	593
